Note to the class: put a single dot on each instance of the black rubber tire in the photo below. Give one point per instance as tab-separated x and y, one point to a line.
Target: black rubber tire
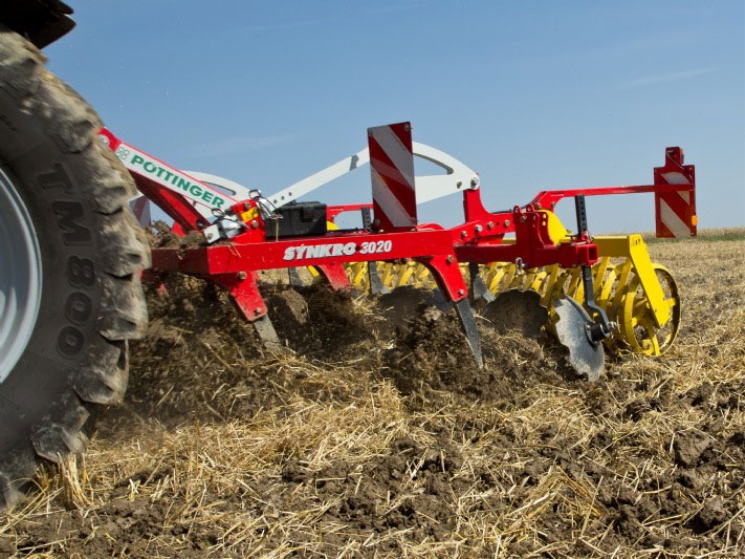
92	250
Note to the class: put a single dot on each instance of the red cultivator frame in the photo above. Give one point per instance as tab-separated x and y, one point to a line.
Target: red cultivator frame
245	236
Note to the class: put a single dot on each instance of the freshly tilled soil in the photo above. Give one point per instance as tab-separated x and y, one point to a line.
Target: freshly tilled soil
375	435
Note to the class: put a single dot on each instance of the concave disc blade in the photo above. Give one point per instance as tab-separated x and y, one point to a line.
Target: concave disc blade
571	329
517	310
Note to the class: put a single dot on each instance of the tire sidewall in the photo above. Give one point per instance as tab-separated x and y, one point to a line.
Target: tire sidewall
51	183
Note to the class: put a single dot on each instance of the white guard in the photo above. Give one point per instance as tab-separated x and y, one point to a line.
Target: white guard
457	178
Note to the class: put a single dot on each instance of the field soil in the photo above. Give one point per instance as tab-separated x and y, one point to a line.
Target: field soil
374	435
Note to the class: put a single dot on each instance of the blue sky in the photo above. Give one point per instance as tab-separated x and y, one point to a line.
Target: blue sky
532	95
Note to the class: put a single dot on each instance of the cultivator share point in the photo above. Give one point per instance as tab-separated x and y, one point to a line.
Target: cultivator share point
593	294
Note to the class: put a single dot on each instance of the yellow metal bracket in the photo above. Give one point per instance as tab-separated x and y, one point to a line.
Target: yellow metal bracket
633	248
556	229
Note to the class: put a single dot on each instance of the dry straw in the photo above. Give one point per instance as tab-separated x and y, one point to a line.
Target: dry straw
231	453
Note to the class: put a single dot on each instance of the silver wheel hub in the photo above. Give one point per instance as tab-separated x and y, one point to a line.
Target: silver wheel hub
20	276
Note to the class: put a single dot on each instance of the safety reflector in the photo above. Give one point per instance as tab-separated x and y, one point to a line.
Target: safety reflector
675	210
392	169
141	208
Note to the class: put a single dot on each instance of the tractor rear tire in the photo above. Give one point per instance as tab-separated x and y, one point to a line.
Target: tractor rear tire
69	236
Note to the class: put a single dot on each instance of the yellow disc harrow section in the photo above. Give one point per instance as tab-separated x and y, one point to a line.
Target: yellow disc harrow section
636	321
641	297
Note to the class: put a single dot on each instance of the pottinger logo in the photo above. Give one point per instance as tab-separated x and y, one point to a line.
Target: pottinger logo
168	177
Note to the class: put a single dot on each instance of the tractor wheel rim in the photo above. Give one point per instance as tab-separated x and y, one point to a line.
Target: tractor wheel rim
20	276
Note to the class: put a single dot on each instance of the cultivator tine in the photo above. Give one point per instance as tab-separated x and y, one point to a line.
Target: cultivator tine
294	277
478	287
267	333
438	299
335	275
468	324
374	281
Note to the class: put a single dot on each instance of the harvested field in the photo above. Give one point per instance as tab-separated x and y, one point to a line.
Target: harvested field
375	441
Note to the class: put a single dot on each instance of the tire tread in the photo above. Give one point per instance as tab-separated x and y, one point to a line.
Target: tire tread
73	125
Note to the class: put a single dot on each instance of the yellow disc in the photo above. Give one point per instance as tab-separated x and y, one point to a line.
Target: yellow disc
636	320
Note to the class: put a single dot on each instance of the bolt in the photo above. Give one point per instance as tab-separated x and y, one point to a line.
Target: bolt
449	259
459	184
506	222
407	127
478	229
254	224
246	206
460	292
463	234
490	225
523	219
242	275
257	311
474	182
537	205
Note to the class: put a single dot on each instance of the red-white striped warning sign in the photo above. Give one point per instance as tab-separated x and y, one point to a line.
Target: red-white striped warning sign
141	208
676	210
392	169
